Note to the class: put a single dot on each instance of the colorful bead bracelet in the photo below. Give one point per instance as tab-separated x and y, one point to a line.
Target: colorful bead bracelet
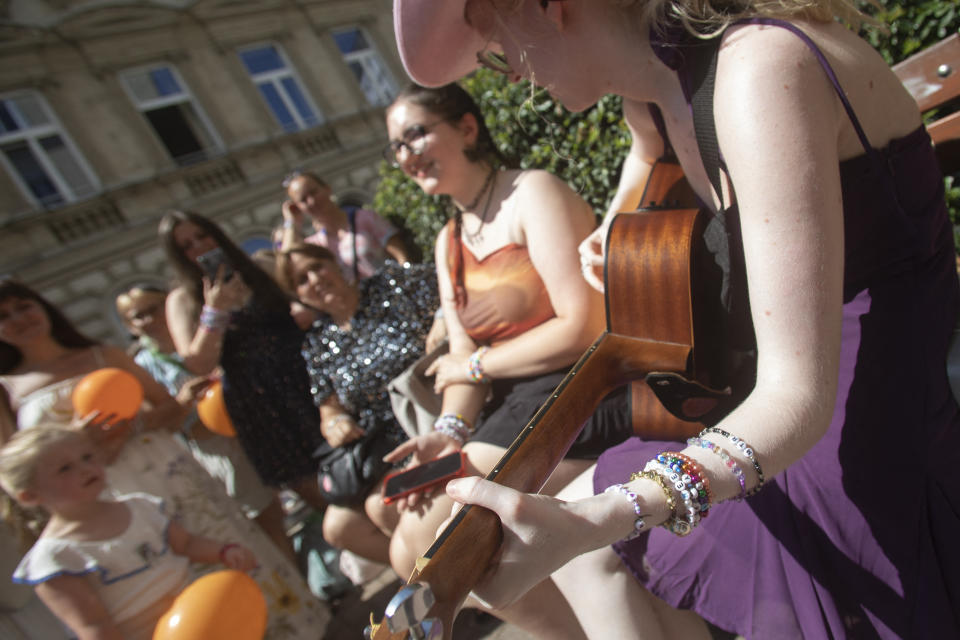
455	426
746	450
727	460
475	367
638	524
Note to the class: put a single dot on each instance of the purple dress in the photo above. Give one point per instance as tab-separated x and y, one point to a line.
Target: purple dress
860	538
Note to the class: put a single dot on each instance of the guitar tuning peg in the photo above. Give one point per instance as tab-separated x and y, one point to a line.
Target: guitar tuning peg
407	611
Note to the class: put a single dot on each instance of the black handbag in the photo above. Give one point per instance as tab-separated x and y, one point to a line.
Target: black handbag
346	474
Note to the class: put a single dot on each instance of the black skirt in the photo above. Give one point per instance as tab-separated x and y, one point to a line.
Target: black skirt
514	401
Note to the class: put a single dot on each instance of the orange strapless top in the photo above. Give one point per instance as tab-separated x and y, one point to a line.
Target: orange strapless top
498	297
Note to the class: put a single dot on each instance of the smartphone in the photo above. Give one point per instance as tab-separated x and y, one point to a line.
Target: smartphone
424	476
210	264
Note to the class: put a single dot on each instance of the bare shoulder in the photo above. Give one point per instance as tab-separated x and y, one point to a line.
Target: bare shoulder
763	66
535	188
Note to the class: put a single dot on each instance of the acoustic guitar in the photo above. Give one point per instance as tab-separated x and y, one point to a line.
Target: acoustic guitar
656	271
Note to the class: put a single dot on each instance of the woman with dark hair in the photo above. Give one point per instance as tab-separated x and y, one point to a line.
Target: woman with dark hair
45	357
368	334
360	239
517	312
42	352
242	324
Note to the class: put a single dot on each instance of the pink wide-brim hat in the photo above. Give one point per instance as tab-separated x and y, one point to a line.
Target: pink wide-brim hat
436	44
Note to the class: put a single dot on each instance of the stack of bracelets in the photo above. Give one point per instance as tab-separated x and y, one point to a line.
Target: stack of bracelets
680	476
212	319
455	426
475	367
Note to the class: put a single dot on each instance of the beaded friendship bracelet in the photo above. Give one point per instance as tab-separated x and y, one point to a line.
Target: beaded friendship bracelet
667	492
698	484
680	525
212	319
455	426
727	460
685	486
746	450
475	367
638	524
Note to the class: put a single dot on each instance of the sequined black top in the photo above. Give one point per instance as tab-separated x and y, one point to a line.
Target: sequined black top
387	334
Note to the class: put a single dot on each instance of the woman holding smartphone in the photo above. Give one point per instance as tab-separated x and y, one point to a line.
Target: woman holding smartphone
243	325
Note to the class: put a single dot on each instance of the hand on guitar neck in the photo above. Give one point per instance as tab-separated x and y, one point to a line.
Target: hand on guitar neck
511	539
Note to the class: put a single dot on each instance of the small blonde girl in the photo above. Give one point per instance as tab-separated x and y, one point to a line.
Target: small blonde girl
108	569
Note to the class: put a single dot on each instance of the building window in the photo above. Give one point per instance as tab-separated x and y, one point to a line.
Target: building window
167	104
40	155
281	89
375	80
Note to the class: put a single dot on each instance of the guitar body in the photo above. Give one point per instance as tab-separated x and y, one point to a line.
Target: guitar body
654	258
659	279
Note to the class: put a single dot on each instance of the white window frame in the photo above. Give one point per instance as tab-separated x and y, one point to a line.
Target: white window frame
31	134
185	96
275	77
383	84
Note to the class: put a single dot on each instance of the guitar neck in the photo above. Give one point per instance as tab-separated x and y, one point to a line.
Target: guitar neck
463	551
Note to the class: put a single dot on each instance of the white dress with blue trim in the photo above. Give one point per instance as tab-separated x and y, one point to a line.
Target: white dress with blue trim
135	574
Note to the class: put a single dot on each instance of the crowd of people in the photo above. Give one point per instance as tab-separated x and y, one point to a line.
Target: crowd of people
824	504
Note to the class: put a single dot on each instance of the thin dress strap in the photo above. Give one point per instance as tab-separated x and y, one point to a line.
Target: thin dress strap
825	64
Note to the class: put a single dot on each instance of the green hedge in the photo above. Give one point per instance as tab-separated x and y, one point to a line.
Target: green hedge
586	149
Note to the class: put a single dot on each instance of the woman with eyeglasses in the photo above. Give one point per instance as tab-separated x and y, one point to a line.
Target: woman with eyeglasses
361	239
518	314
838	471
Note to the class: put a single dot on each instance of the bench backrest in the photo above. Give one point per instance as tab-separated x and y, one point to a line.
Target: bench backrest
932	77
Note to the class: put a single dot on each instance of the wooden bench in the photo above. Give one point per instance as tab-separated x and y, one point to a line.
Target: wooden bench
932	77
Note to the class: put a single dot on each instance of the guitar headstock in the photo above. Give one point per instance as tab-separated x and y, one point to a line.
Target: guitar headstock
406	616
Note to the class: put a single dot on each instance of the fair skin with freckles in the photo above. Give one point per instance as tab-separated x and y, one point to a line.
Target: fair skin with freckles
769	87
67	482
532	209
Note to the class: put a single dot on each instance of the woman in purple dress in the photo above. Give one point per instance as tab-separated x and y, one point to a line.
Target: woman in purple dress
837	473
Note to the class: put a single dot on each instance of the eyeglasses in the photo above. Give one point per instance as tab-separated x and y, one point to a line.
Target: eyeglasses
494	61
414	141
497	61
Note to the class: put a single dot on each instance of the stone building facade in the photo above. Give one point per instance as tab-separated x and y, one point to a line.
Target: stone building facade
115	111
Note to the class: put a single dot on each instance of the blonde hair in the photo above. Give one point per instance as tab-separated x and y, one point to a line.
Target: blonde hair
18	466
708	18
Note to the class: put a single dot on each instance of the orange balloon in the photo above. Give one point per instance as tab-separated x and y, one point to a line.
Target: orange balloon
223	605
213	411
109	390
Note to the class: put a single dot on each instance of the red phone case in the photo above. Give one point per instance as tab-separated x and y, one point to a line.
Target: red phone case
457	473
